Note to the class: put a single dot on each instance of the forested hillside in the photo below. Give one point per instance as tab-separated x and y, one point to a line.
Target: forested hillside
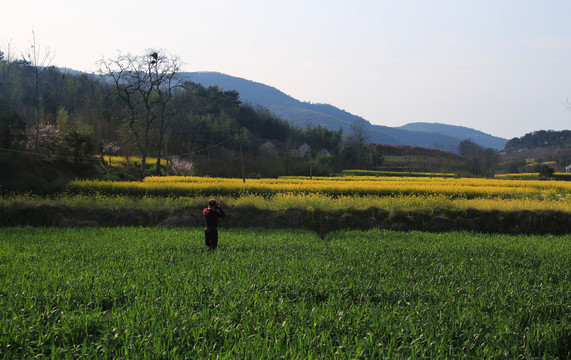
65	114
541	139
435	136
459	132
60	115
537	150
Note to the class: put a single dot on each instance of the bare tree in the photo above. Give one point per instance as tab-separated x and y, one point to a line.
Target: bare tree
479	160
308	124
360	133
6	63
39	59
359	136
146	85
165	68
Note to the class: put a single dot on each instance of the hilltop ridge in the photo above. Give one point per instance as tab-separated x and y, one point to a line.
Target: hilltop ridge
437	136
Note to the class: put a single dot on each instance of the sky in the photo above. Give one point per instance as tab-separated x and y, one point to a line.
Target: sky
499	66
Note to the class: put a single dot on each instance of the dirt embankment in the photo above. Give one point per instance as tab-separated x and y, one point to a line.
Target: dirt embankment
514	222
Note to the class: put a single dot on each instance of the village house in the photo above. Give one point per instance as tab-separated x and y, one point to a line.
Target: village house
323	152
274	147
301	151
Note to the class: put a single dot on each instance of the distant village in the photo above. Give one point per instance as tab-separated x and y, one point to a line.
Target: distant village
276	147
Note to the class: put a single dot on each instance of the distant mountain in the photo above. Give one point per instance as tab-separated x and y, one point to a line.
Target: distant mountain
435	136
460	132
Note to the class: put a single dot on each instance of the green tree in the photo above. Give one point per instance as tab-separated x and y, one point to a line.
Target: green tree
540	139
546	172
62	119
10	124
78	143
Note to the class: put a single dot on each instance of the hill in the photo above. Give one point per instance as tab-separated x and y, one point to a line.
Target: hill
436	136
460	132
541	139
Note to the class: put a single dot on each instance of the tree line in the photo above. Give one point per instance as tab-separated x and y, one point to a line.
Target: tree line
138	106
540	139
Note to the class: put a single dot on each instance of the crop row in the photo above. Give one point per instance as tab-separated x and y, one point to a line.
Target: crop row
394	173
282	201
348	186
157	293
533	176
123	161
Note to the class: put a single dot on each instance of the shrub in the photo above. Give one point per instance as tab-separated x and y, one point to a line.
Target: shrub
546	171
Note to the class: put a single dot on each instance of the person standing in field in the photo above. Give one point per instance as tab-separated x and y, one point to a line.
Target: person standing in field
211	215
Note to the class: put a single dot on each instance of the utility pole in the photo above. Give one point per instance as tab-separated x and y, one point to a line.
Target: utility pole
310	170
241	155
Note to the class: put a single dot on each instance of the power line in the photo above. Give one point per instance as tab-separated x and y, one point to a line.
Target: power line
166	157
97	159
205	131
40	154
197	151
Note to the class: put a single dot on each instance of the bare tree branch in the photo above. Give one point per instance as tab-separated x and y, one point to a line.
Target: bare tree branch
146	84
39	59
7	60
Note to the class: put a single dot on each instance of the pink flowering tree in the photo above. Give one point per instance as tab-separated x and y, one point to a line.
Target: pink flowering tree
48	137
110	148
181	167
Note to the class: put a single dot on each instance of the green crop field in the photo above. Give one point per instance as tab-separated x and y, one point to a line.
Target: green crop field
157	293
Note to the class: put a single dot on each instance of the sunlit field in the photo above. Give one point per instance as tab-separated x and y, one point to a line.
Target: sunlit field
533	176
157	293
153	292
122	161
417	193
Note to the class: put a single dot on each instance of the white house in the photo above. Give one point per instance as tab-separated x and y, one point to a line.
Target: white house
323	152
301	151
568	168
270	147
273	147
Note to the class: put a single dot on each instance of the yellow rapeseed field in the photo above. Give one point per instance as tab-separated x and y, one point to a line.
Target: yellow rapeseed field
122	160
347	192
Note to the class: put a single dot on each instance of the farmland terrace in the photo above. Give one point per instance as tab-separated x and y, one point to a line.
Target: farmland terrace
426	203
322	221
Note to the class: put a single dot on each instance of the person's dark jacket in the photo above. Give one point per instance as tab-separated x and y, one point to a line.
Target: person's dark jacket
211	217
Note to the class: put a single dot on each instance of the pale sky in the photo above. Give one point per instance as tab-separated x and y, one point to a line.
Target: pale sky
499	66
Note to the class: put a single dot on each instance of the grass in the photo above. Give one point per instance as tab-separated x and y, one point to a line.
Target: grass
157	293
